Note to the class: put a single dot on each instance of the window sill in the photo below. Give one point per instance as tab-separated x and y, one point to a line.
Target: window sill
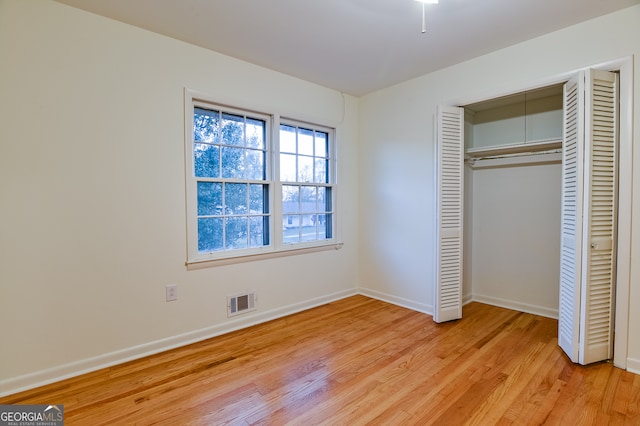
210	263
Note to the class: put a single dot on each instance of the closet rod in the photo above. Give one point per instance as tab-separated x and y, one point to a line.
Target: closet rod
514	160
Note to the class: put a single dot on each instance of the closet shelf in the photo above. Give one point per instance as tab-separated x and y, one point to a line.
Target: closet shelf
516	148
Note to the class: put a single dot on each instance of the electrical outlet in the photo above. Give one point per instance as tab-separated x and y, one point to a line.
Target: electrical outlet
172	292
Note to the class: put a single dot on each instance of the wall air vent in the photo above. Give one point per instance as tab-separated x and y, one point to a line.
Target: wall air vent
241	303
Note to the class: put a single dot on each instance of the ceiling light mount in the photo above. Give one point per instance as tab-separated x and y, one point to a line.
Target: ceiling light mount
424	20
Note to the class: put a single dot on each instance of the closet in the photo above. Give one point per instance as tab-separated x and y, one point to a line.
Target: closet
512	200
499	168
530	221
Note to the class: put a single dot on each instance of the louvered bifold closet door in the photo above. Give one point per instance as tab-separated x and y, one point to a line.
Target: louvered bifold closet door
449	198
589	217
600	223
571	220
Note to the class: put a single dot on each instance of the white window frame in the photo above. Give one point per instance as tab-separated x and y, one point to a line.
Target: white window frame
276	247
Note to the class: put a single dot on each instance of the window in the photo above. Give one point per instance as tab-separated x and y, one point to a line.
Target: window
306	186
252	191
229	157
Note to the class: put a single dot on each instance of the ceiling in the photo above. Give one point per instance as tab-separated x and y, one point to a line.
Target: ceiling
354	46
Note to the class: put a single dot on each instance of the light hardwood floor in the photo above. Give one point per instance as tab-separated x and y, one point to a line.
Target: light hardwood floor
353	362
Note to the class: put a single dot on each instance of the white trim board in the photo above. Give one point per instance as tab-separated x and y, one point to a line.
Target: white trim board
87	365
466	299
633	365
516	306
55	374
398	301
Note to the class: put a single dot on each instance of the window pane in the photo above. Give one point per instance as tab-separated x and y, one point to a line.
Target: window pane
258	201
328	202
232	129
210	234
290	199
322	196
321	171
256	231
206	160
233	162
206	125
236	232
328	225
287	139
255	133
305	141
209	198
255	165
323	227
308	199
305	169
235	198
291	229
287	167
308	229
321	144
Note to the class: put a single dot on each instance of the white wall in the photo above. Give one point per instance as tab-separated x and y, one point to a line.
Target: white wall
92	193
397	147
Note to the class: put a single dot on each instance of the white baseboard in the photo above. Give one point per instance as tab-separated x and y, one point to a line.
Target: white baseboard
54	374
76	368
633	365
516	306
399	301
467	298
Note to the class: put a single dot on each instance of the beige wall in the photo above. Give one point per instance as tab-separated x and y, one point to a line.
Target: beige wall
92	193
397	152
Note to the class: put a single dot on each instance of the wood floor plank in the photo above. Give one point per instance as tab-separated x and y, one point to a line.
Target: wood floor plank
358	361
540	393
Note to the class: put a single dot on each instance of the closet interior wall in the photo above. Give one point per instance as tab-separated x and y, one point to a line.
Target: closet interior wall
512	201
